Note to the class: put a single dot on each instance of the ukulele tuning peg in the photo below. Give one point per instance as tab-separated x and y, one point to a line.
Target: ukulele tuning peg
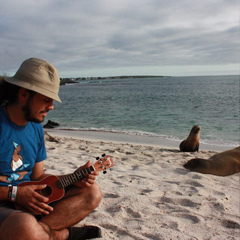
103	155
97	158
104	172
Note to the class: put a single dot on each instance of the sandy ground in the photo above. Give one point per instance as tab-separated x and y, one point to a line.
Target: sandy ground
149	195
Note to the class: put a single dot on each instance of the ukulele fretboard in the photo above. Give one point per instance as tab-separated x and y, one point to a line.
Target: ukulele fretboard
74	177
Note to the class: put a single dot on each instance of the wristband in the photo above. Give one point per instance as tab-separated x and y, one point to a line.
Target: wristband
9	192
14	193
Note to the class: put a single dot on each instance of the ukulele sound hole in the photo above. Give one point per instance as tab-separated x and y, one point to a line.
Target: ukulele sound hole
47	191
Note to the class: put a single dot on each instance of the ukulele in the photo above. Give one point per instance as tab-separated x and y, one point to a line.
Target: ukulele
55	188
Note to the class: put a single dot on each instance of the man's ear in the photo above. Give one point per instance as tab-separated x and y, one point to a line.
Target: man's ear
23	95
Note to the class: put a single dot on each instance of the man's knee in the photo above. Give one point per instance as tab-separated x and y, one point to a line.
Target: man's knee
95	195
89	196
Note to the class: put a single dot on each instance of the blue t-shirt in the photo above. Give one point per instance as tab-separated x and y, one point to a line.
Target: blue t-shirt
20	148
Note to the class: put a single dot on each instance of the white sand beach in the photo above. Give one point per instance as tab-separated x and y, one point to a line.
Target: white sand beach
149	195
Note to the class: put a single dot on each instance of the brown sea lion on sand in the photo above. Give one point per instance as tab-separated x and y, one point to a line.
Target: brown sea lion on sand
191	144
221	164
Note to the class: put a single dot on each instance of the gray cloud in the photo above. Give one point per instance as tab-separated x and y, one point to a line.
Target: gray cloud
79	35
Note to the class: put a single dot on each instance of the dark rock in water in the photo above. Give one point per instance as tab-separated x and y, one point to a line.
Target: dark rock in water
51	124
64	81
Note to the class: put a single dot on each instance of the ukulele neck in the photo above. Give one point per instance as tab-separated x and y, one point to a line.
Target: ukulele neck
69	179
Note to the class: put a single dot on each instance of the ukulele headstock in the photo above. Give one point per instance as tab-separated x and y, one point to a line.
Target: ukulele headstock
103	163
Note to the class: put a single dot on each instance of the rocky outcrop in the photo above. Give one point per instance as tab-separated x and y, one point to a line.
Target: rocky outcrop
51	124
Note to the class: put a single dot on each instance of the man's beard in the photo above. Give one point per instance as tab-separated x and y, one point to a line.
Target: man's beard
28	113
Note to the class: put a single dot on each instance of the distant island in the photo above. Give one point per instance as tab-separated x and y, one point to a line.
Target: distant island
64	81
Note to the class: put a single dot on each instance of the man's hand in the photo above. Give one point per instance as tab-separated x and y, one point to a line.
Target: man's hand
89	178
29	199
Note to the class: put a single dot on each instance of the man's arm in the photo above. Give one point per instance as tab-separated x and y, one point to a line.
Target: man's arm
38	172
4	193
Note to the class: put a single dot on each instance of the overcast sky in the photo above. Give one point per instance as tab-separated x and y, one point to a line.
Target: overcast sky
122	37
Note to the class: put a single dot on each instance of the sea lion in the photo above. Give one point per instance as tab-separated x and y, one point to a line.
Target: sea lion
221	164
191	144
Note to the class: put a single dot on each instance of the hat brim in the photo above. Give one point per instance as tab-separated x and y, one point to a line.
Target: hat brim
45	92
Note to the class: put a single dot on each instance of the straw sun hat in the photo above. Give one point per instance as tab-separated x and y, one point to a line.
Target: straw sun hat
39	76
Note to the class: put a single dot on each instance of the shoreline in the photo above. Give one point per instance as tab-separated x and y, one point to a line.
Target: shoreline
105	136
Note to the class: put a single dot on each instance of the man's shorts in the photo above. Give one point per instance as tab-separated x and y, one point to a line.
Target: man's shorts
6	208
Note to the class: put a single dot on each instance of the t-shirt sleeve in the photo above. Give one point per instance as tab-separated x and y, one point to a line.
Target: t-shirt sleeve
42	154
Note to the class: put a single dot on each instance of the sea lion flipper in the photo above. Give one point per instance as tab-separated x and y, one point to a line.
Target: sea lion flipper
197	148
181	145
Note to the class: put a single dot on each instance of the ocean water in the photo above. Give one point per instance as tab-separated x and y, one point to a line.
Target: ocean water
159	107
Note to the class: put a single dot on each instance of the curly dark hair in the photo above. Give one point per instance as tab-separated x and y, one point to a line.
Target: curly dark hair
9	92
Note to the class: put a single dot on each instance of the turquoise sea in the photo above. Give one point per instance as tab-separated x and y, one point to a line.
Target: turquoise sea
157	107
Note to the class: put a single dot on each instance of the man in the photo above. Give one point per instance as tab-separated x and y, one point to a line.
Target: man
25	100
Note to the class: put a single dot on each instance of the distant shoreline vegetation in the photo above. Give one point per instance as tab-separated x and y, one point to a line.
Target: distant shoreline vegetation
64	81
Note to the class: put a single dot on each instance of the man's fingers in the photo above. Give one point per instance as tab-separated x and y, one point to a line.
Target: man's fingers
40	207
39	186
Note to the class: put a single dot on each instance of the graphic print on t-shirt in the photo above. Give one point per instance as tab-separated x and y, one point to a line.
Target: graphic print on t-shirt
17	165
16	157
